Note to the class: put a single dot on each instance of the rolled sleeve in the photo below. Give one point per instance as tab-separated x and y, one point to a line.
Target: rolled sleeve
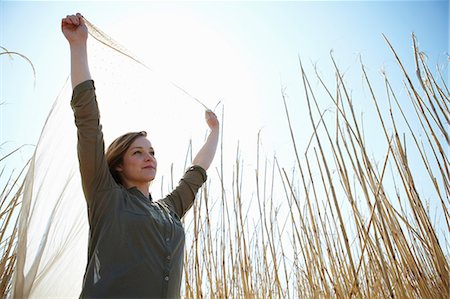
83	86
182	198
193	173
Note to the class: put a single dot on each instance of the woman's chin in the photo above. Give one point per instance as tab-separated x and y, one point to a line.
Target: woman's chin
151	177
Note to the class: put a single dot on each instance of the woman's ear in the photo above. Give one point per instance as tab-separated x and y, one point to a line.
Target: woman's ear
119	168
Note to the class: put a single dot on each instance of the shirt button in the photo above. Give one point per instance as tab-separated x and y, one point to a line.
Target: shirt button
167	239
166	278
168	257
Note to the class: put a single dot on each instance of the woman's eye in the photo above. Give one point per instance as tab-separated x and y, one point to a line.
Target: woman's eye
136	152
152	153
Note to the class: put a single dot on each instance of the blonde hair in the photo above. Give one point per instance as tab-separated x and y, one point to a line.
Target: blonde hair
116	150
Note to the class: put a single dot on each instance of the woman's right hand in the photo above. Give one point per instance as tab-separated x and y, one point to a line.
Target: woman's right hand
74	29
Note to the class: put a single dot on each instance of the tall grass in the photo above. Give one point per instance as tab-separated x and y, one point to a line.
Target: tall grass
9	206
10	194
338	223
349	225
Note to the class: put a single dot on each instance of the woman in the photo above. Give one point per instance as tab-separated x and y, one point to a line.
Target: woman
136	244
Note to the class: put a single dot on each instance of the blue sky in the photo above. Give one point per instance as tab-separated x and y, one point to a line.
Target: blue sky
239	52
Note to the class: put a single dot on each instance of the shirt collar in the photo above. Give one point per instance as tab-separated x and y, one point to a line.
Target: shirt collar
135	191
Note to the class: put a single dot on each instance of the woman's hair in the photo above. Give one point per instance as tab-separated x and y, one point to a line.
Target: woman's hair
116	150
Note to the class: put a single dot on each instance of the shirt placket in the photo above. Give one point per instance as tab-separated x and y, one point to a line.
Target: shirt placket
168	236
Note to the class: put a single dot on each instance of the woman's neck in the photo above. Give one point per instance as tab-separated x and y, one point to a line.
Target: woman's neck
144	188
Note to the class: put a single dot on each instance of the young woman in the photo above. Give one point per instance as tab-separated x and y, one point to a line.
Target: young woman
136	244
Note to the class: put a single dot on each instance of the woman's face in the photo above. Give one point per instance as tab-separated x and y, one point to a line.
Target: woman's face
139	163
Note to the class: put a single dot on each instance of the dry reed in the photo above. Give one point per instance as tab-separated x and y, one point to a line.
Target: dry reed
10	195
346	226
9	207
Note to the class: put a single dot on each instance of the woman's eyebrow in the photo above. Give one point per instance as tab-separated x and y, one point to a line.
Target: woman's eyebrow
140	147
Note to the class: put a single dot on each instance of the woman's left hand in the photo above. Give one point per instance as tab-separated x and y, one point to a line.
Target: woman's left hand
206	154
211	120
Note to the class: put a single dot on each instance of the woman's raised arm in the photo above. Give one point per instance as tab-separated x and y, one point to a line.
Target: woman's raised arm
182	198
76	33
206	154
94	169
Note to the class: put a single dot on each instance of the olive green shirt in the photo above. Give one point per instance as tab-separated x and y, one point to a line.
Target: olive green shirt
136	245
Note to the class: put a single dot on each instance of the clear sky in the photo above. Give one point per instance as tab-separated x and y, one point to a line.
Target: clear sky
239	52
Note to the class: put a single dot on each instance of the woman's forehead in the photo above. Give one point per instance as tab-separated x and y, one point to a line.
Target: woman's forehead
142	142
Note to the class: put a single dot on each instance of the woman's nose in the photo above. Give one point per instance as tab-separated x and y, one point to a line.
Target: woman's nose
149	157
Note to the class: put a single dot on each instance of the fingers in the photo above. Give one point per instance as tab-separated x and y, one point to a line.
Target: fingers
80	18
211	120
209	111
71	20
74	20
209	114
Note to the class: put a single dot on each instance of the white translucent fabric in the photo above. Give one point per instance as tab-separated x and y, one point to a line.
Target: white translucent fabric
52	244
